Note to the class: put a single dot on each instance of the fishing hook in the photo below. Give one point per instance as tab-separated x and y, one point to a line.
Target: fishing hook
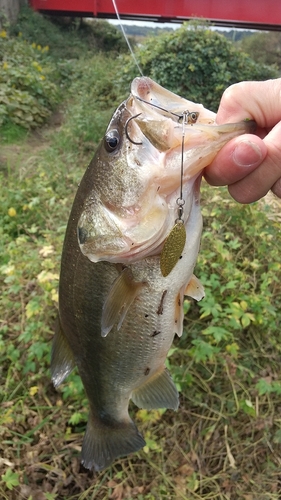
126	130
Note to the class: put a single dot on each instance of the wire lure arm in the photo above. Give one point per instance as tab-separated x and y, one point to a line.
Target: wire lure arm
188	117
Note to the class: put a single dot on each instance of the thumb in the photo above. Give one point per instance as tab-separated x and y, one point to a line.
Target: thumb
236	160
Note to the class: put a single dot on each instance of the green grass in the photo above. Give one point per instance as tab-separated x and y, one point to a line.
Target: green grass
12	133
224	441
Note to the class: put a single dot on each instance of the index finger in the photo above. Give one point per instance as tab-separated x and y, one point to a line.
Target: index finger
260	101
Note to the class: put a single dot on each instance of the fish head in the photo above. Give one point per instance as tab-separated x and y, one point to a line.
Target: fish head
156	145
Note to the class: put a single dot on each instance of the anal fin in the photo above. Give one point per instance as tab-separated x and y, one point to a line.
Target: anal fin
62	359
158	392
104	442
195	289
122	294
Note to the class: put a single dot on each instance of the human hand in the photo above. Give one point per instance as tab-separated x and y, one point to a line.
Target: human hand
250	164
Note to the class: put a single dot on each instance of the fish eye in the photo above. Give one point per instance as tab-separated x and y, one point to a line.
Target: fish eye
111	140
192	117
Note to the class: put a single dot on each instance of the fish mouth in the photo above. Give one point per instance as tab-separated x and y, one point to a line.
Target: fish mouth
159	115
167	119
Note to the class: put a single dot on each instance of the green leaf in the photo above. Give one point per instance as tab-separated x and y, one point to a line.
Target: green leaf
10	478
264	386
202	351
217	332
277	437
248	408
76	418
50	496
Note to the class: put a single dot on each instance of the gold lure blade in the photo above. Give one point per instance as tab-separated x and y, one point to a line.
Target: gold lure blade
172	249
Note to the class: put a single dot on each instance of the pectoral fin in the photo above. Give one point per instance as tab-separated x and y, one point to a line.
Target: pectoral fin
62	359
195	289
120	297
158	392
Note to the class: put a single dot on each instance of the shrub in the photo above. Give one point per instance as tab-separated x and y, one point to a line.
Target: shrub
27	90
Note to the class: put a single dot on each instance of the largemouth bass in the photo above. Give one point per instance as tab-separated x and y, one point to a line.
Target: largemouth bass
120	300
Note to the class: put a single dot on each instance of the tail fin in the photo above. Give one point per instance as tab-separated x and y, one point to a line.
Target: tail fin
103	443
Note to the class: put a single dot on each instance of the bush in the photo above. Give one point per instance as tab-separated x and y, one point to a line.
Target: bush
103	36
196	63
27	90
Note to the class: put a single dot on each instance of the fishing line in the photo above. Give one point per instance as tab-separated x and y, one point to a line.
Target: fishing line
126	38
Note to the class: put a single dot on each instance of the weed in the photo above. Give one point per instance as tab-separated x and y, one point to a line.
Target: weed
93	96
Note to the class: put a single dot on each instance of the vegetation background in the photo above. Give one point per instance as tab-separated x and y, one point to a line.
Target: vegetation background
59	85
